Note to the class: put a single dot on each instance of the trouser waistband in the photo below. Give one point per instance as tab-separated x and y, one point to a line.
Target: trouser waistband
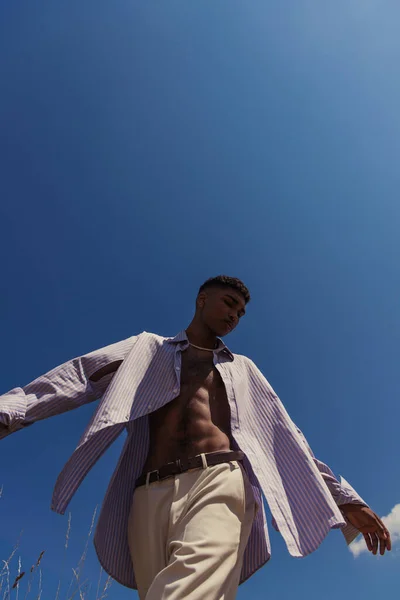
181	465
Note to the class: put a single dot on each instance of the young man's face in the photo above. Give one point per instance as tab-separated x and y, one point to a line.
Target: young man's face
221	309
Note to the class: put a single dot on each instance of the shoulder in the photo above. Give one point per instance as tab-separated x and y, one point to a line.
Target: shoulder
245	364
153	339
243	361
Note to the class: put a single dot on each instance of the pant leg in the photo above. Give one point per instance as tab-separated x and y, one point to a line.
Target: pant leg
211	512
148	528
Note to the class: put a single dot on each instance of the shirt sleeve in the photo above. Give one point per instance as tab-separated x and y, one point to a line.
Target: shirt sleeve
64	388
342	492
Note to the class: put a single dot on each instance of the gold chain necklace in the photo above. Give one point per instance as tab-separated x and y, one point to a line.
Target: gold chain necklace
199	348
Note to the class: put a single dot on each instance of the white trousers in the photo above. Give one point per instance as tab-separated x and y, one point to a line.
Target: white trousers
187	534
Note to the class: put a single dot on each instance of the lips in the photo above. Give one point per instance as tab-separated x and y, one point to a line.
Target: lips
229	324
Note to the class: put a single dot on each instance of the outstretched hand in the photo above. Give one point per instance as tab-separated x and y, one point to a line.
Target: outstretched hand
370	525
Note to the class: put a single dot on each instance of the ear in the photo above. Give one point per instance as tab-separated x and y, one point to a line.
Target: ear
201	299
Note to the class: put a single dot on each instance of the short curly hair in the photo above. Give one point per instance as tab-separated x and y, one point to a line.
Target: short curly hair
228	282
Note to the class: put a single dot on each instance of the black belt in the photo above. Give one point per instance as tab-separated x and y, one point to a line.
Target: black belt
184	464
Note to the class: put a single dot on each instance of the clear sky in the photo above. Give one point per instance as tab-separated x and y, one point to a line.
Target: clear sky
146	146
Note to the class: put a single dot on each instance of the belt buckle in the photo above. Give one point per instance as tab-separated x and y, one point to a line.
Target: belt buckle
149	474
182	467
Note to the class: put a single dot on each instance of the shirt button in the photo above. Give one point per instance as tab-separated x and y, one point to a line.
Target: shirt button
178	368
149	405
175	390
127	418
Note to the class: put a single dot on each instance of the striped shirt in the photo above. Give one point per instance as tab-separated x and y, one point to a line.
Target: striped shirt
302	492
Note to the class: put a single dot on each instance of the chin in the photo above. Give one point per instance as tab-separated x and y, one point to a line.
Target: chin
222	332
219	329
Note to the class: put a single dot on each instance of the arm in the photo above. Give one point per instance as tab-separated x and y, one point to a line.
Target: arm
357	514
342	492
68	386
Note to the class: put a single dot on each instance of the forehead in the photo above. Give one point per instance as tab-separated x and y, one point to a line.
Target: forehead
232	293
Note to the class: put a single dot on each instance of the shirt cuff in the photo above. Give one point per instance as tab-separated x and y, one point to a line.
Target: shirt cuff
348	494
12	409
349	532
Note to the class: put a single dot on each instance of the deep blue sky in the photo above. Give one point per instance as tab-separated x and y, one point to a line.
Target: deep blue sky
146	146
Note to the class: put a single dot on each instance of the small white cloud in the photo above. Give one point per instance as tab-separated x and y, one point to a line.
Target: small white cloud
392	522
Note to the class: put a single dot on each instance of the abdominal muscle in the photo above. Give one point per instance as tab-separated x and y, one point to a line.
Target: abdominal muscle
197	421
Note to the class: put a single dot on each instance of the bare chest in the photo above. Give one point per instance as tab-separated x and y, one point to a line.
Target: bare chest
202	392
199	372
197	420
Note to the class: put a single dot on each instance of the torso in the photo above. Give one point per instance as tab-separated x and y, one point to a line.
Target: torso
197	421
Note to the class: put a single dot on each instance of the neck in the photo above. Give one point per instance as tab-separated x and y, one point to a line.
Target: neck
198	335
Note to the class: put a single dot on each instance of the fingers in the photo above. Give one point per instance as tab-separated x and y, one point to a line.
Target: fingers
379	539
382	544
384	535
368	541
375	541
388	542
387	539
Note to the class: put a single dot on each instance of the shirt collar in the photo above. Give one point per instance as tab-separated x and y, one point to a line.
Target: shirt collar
181	337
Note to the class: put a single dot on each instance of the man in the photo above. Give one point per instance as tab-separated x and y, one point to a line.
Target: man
183	516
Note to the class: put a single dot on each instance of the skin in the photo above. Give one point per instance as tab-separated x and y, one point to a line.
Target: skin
370	525
198	420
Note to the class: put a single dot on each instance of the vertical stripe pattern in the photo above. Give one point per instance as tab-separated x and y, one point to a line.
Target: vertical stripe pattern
302	492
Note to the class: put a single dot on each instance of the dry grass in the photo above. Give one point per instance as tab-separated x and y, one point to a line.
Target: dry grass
13	579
